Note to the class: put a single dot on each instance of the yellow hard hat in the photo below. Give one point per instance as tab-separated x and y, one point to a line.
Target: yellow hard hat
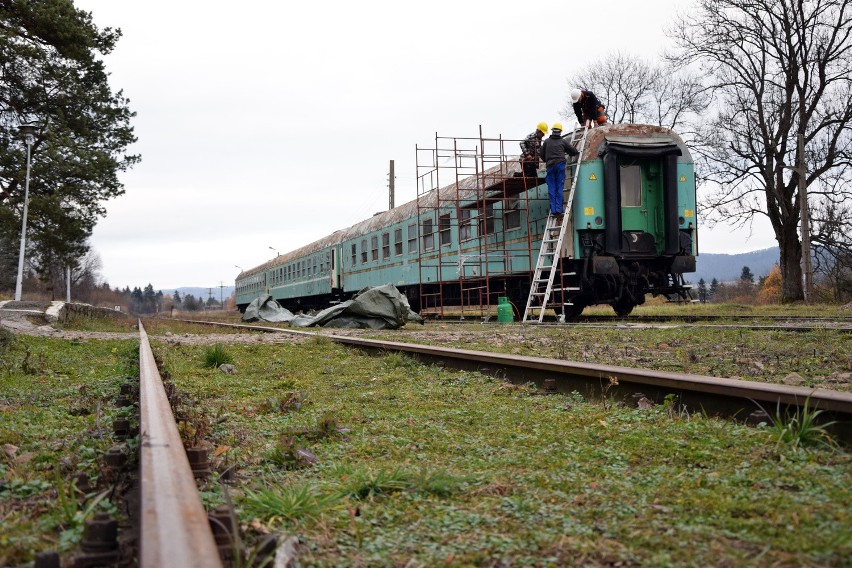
557	126
542	127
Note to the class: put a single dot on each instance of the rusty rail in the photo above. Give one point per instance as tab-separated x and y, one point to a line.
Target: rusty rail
175	530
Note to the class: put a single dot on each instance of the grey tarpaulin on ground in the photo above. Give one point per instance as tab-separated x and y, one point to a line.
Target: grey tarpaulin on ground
266	309
382	307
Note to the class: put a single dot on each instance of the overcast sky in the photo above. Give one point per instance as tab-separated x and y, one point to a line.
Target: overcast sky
271	124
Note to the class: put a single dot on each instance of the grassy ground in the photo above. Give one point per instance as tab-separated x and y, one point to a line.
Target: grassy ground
440	467
424	466
56	410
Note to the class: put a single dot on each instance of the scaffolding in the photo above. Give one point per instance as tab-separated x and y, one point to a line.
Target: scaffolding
475	230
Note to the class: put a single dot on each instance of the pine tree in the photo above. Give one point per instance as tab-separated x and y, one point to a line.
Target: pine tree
53	77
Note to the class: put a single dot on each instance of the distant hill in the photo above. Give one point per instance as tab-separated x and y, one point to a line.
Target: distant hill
727	267
202	293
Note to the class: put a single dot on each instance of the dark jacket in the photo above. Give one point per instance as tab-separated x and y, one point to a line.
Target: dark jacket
555	149
588	107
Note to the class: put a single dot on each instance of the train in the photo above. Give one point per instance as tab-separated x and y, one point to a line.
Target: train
632	231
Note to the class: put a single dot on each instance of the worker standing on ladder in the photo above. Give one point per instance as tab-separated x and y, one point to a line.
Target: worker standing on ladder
555	151
530	150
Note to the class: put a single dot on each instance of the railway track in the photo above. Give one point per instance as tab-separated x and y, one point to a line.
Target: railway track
694	393
173	525
167	518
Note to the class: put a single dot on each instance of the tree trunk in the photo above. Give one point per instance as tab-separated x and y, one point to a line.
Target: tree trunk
791	267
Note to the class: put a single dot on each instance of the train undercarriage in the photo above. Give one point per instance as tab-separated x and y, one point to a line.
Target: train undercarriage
620	283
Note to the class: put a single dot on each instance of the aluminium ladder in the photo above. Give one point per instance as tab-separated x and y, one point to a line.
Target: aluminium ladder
551	242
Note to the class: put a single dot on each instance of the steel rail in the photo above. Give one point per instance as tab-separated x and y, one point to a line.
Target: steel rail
175	530
731	397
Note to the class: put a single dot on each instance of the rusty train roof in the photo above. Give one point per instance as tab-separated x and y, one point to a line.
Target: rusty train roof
468	188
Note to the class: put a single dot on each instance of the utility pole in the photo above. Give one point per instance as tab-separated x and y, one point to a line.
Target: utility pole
391	178
807	267
221	288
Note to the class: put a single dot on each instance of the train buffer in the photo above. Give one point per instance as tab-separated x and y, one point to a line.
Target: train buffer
547	264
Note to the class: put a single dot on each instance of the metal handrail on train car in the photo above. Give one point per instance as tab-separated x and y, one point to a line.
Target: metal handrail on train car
175	530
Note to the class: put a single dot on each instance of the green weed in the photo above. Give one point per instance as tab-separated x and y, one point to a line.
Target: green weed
438	483
293	504
216	356
396	360
288	455
800	428
366	484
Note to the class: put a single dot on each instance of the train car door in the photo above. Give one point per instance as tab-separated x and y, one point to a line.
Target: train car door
641	205
336	274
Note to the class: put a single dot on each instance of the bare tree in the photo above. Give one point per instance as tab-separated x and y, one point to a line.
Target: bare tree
832	252
778	69
634	90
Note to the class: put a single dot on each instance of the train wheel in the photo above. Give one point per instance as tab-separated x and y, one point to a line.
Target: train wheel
623	309
573	311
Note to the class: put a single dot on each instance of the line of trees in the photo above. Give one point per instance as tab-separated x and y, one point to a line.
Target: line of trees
767	289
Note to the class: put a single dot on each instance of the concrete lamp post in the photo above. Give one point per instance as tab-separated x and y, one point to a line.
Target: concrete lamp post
28	131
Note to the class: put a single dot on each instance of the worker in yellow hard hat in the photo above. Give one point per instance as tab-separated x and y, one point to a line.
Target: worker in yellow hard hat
555	151
530	150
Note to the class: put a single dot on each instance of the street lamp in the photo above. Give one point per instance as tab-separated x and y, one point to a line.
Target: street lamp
240	267
276	251
28	131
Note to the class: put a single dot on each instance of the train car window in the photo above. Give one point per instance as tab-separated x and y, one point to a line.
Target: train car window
364	250
315	266
354	255
374	247
397	242
385	245
412	238
486	222
428	235
512	214
444	229
465	225
322	264
631	186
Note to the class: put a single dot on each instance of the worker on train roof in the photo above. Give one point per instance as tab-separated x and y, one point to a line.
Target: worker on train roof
587	107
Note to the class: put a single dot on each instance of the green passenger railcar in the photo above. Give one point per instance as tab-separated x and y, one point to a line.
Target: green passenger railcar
633	231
